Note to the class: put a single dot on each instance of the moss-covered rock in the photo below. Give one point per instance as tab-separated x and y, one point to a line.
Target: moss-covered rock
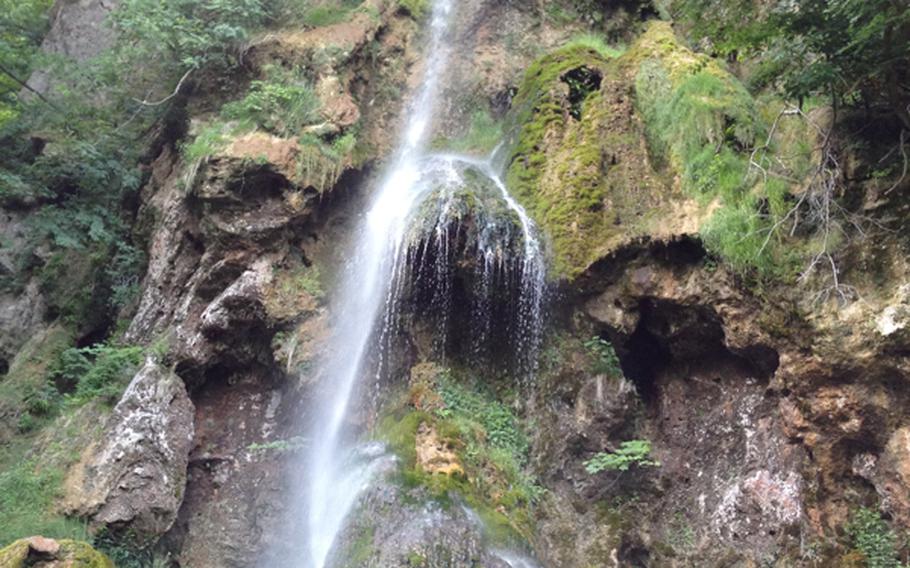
579	161
484	445
653	143
52	554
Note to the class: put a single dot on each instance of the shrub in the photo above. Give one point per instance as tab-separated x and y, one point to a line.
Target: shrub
100	371
282	104
630	453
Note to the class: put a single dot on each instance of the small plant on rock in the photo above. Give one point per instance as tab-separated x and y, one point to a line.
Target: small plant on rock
869	534
630	453
605	361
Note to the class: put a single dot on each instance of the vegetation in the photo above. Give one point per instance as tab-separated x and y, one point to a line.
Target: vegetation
416	8
605	361
703	122
22	28
571	211
869	534
100	371
631	453
850	51
281	104
596	43
27	494
488	440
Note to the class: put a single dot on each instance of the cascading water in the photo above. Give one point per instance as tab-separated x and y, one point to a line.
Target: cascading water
338	469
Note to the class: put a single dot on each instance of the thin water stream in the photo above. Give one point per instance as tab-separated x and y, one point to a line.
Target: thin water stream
338	466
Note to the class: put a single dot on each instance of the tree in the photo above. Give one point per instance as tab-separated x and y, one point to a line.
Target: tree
23	24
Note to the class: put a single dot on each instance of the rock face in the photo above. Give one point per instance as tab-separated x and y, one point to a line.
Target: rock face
136	475
78	31
48	553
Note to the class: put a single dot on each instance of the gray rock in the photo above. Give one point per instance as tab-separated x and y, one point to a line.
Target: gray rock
78	31
136	475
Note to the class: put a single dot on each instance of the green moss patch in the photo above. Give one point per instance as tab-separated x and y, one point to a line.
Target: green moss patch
577	163
490	444
597	168
70	553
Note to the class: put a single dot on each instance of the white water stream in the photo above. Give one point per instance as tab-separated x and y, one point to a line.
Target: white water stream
338	469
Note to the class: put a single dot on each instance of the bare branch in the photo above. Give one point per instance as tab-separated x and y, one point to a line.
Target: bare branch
172	95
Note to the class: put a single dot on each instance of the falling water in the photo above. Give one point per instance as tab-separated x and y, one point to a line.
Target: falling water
338	470
334	485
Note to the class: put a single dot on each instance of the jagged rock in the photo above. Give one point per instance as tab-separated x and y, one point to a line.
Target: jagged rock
43	552
135	476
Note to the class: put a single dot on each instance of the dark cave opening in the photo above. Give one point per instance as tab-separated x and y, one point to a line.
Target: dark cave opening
671	337
582	81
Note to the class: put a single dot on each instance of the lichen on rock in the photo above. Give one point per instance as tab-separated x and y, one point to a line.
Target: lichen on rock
134	476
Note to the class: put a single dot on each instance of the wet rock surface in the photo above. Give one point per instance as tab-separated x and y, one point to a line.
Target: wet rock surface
397	527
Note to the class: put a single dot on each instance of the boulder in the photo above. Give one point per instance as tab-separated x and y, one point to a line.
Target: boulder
50	553
136	474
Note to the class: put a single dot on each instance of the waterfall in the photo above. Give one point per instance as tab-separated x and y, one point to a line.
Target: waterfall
337	469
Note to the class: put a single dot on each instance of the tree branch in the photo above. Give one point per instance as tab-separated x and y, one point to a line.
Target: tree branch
27	87
172	95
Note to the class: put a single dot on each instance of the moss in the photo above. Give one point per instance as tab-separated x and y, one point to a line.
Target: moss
576	162
417	9
361	549
72	553
82	555
703	123
494	485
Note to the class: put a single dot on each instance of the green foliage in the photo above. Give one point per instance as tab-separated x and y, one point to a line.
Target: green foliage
604	359
100	371
120	551
849	50
23	24
704	124
491	447
27	495
630	453
869	534
596	43
499	424
188	34
416	8
324	15
282	104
